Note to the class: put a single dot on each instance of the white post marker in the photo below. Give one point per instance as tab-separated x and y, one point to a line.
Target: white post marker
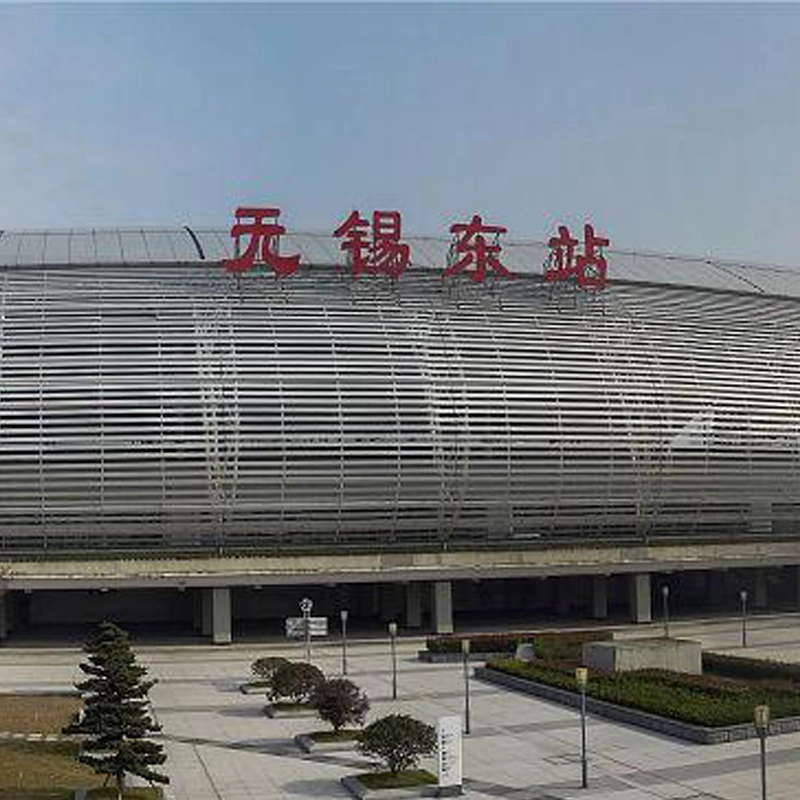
448	734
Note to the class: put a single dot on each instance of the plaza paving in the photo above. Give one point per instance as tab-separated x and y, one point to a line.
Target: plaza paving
222	747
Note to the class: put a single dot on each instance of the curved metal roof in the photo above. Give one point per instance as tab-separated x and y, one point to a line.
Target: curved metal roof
158	246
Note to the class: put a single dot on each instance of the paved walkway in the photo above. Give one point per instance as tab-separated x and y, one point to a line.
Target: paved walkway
222	747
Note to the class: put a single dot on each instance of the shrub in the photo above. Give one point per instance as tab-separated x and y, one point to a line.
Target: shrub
755	669
340	702
549	645
697	699
265	668
296	681
397	741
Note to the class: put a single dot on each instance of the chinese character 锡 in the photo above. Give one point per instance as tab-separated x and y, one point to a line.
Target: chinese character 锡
471	253
263	228
589	268
384	253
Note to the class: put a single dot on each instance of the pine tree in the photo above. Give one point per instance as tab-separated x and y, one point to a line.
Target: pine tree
116	721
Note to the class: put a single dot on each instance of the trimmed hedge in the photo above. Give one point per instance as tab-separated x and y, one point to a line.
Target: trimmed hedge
696	699
751	669
551	645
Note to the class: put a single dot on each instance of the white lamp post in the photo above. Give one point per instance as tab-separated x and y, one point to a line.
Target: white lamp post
393	640
306	604
582	678
343	614
465	652
761	717
743	600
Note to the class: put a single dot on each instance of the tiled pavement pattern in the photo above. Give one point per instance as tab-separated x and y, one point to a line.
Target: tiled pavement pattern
222	747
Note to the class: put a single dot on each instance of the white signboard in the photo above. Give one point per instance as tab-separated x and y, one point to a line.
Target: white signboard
448	732
296	626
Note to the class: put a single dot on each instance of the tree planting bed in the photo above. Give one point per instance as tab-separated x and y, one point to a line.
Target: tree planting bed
707	709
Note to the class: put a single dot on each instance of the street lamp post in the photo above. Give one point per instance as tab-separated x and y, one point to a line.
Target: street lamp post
465	653
306	604
393	640
665	597
582	678
743	599
343	617
761	715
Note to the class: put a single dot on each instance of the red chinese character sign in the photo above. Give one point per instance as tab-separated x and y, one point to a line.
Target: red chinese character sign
384	253
472	254
564	264
261	225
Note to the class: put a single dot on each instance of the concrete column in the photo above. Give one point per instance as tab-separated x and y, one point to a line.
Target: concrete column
3	617
414	605
221	615
443	607
599	597
197	609
640	598
206	605
797	584
760	599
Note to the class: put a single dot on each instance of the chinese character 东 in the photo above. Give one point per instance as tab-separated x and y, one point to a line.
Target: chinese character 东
262	228
471	250
385	253
589	268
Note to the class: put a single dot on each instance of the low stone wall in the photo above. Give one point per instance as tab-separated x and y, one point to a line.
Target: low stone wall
632	716
678	655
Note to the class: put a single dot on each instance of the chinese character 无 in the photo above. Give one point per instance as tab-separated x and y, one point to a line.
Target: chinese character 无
472	250
384	253
262	228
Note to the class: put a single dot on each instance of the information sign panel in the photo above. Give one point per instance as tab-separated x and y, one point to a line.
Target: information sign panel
296	626
448	734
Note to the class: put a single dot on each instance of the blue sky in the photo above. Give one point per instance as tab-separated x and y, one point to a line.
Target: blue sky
672	127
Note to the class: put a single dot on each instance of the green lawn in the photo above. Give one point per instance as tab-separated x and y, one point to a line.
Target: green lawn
42	770
37	713
403	780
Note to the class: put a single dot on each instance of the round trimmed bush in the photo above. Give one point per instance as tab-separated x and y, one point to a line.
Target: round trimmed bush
297	681
340	702
397	741
265	668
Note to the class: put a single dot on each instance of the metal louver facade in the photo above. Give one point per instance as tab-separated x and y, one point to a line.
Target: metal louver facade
164	406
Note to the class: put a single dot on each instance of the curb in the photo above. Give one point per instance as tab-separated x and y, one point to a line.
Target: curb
38	737
309	745
357	789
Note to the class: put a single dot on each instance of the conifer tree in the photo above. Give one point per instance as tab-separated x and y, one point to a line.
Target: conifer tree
116	721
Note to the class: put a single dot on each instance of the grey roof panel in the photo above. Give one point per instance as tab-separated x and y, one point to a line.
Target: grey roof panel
134	247
176	246
215	246
82	248
108	247
31	248
56	248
